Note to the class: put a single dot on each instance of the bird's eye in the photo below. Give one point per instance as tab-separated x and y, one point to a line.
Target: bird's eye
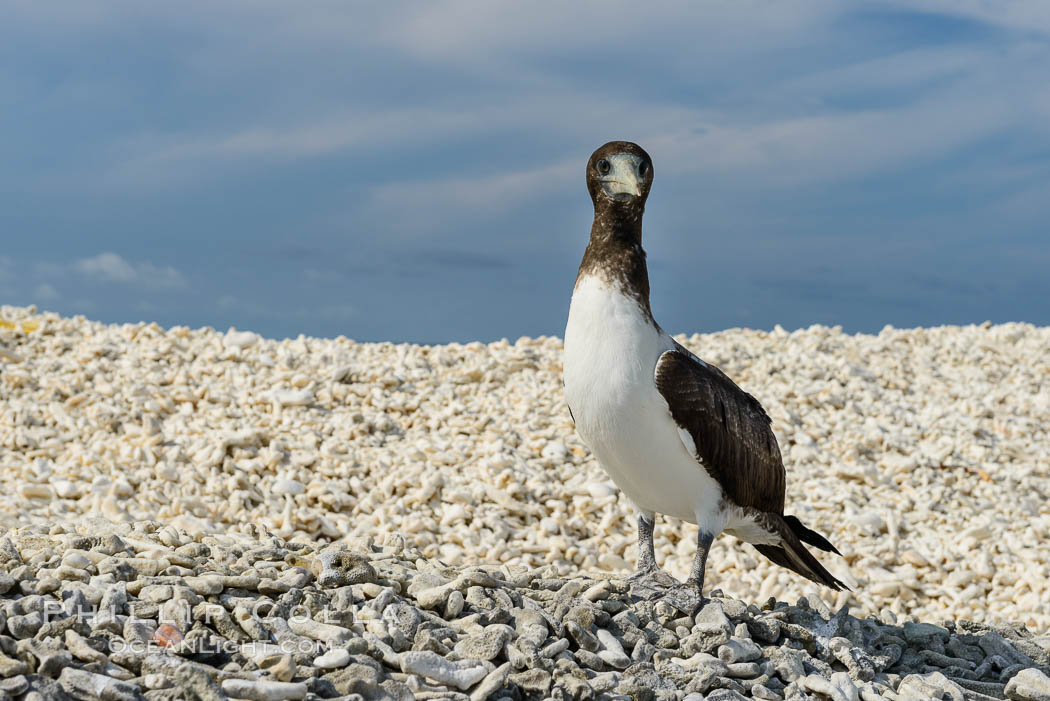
643	168
604	167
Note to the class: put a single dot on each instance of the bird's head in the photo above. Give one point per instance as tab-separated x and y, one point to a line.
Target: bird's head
620	172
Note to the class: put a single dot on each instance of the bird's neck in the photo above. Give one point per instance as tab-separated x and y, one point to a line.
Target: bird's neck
615	253
618	221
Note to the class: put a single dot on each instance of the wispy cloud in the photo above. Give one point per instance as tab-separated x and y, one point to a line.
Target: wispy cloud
301	138
490	36
971	104
46	292
476	193
145	160
833	146
1012	14
780	128
111	267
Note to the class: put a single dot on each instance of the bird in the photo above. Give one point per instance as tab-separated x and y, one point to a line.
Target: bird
677	436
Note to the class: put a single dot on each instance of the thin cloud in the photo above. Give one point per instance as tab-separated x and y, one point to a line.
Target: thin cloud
46	292
111	267
1022	15
491	36
833	146
144	160
500	34
478	192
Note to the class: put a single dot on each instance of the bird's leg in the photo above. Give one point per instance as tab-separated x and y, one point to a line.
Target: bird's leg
690	596
649	579
646	554
696	575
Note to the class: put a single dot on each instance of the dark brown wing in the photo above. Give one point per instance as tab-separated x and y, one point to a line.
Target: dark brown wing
732	432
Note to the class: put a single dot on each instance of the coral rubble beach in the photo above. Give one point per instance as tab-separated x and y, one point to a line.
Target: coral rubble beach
433	505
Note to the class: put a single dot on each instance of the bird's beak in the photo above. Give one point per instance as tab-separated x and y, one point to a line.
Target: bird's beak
617	188
623	181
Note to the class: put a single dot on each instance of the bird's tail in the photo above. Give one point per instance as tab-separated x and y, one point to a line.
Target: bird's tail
808	536
792	554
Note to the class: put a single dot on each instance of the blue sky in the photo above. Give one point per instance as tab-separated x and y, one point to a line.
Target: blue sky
413	171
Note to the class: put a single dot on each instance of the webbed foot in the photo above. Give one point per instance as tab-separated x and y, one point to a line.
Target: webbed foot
686	597
651	583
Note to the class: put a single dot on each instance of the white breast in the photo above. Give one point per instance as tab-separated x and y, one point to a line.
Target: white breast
611	351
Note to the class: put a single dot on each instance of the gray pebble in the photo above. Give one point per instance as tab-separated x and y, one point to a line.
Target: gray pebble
492	683
923	633
744	670
14	686
554	648
583	638
825	688
995	644
196	683
485	645
333	659
761	691
643	651
589	660
356	678
992	689
25	626
461	675
788	663
712	622
43	689
725	695
11	667
82	650
340	568
932	685
859	665
82	684
739	650
532	681
1028	685
764	629
264	690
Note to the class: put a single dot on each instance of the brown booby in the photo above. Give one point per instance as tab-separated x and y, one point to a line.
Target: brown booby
675	434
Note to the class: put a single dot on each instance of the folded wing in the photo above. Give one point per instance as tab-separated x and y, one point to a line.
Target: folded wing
732	438
731	431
